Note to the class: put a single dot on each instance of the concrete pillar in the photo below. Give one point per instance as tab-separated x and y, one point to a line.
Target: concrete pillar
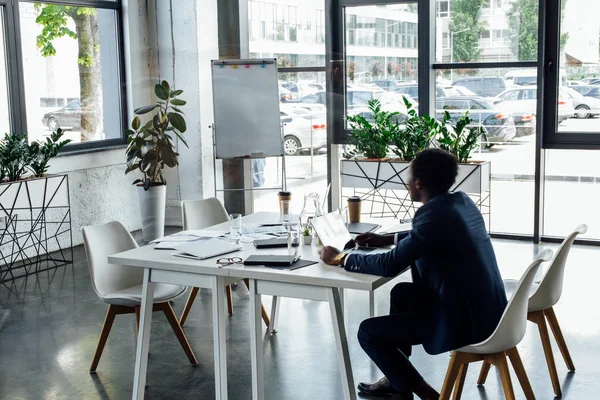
184	40
233	44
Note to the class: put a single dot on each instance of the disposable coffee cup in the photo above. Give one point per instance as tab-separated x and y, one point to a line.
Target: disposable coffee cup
354	204
284	195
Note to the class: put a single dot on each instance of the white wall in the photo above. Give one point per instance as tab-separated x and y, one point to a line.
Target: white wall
155	49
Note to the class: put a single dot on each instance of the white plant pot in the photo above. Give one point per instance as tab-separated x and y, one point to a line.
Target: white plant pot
152	209
307	240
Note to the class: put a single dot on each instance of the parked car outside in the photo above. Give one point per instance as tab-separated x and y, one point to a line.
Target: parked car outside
314	98
588	90
499	125
524	100
386	84
68	117
585	107
301	89
590	81
412	90
287	96
485	86
302	129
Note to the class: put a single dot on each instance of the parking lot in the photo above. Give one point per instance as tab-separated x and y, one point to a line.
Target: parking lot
571	188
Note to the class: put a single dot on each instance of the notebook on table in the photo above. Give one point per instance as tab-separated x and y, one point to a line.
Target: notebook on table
273	243
208	248
333	232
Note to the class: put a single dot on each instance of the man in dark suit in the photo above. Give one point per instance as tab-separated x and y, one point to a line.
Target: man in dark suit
456	297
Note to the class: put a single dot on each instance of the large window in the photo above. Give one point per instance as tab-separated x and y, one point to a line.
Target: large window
494	31
293	31
65	72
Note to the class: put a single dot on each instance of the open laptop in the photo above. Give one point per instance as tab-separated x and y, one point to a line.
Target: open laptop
333	232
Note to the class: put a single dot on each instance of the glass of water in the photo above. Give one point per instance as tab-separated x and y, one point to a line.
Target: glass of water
235	233
293	237
286	213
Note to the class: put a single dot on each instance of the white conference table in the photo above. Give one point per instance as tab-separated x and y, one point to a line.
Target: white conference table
318	282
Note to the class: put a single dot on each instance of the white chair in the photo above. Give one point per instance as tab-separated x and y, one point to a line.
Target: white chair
544	296
121	287
502	343
199	214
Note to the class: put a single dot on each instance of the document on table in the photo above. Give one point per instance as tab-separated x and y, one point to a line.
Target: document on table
402	227
175	240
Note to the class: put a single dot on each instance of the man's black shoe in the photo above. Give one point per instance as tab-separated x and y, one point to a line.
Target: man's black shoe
383	388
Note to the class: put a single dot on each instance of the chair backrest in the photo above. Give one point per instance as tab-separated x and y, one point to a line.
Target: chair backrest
199	214
101	241
512	326
550	289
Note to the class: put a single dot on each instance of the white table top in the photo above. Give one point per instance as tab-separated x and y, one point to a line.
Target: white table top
318	274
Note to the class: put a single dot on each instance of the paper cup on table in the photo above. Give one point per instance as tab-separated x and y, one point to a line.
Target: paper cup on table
284	196
354	204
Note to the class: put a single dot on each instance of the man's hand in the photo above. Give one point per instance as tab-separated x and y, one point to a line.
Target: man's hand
370	239
328	255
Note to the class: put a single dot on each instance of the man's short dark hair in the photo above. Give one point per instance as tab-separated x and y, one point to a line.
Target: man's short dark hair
436	169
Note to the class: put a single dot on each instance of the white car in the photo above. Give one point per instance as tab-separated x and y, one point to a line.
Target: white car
585	107
302	129
523	100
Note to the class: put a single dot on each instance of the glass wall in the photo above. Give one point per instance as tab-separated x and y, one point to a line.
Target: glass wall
4	102
71	71
486	31
294	33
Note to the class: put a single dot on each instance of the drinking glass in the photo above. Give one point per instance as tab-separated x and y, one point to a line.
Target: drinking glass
235	233
293	237
286	213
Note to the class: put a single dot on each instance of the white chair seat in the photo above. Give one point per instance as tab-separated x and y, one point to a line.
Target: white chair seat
510	285
132	296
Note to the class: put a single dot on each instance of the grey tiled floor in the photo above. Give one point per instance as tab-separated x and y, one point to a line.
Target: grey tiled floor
48	342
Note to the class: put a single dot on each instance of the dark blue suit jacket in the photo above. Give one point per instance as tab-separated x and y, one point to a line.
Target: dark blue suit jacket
453	263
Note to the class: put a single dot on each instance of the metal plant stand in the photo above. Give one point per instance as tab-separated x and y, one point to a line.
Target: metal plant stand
383	187
36	235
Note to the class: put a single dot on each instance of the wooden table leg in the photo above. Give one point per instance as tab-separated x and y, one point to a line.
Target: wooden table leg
341	341
220	349
141	354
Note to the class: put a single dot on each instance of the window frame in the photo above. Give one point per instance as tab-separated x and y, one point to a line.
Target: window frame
19	82
552	138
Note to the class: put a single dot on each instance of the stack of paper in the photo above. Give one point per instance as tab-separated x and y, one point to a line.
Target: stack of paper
175	240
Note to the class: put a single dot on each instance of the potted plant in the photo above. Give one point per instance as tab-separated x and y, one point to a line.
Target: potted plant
306	234
460	140
35	207
150	149
372	139
405	136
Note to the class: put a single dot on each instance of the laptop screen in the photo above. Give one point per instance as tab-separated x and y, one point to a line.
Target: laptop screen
332	230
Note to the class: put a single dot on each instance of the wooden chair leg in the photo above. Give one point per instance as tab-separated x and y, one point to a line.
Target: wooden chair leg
188	305
451	376
502	366
560	339
265	315
483	374
460	381
229	299
108	322
538	318
137	321
517	364
170	314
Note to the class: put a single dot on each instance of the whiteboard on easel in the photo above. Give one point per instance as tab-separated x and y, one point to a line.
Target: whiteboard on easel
246	106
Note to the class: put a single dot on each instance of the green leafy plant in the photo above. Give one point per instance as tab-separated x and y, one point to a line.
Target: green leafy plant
42	152
372	139
15	157
416	136
461	139
306	230
150	147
